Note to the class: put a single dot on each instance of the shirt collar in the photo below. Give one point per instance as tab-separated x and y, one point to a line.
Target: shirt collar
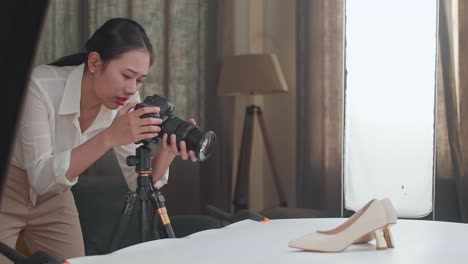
72	94
103	119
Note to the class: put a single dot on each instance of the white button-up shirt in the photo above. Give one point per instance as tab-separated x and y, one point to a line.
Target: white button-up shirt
49	129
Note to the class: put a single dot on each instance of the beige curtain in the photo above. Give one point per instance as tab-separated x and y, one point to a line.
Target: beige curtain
450	153
320	104
321	79
178	31
453	50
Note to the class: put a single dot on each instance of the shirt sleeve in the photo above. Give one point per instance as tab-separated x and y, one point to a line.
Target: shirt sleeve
45	169
129	173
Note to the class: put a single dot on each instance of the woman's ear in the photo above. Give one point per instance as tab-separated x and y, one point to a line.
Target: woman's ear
94	61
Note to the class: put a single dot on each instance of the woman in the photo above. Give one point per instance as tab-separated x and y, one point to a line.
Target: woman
75	110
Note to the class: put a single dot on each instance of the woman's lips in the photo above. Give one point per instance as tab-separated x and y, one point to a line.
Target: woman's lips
121	100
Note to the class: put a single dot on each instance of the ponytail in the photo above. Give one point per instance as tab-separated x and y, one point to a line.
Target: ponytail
71	60
112	39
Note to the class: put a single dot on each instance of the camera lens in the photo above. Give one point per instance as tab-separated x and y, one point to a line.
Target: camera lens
207	144
202	143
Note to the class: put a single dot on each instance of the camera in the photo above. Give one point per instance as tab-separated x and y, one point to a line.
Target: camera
201	142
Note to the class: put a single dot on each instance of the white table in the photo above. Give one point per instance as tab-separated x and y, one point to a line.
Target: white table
256	242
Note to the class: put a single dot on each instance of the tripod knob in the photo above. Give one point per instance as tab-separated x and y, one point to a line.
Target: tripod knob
132	160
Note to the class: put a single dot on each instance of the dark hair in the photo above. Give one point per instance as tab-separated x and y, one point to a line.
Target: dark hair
112	39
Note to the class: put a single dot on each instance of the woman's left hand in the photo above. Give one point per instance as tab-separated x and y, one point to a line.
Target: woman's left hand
172	147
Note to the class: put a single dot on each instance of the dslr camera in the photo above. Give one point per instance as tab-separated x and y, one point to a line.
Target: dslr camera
202	143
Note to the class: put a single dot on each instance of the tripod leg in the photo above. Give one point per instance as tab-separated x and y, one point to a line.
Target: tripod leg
155	224
127	210
269	151
158	202
241	191
144	193
144	221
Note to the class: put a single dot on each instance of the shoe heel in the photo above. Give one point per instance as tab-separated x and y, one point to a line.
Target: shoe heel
380	242
388	237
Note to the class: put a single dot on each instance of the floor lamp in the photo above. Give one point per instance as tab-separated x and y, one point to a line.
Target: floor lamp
252	74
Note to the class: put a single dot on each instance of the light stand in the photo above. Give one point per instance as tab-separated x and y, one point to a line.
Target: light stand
241	192
145	192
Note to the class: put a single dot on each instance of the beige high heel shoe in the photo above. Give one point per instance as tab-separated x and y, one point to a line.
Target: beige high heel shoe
372	218
392	220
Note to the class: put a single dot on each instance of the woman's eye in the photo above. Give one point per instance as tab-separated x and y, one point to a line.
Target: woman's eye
126	76
139	81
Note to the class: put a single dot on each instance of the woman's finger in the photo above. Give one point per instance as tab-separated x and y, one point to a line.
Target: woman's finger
149	121
174	144
192	121
192	155
126	108
145	136
148	129
183	150
146	110
164	141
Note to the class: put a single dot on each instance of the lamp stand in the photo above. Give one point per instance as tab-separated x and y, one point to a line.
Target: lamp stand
241	192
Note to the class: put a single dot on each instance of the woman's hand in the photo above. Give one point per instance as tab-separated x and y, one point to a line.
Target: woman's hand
128	127
172	147
168	152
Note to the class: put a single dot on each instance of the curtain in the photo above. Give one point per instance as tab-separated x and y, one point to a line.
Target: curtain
453	49
320	77
178	30
448	147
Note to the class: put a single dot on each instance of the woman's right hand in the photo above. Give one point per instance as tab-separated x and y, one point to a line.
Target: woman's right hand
128	127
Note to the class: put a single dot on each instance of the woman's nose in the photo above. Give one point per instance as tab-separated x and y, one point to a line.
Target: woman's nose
131	88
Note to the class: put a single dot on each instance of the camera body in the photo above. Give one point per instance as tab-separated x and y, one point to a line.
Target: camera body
197	140
166	108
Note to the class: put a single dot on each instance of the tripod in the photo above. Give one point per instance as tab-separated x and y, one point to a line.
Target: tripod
241	192
145	192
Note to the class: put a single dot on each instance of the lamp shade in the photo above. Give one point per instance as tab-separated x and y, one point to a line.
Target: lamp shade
251	74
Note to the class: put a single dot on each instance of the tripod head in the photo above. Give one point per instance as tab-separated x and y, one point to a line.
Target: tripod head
141	160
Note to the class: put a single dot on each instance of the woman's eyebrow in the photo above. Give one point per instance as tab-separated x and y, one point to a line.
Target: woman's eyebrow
144	75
